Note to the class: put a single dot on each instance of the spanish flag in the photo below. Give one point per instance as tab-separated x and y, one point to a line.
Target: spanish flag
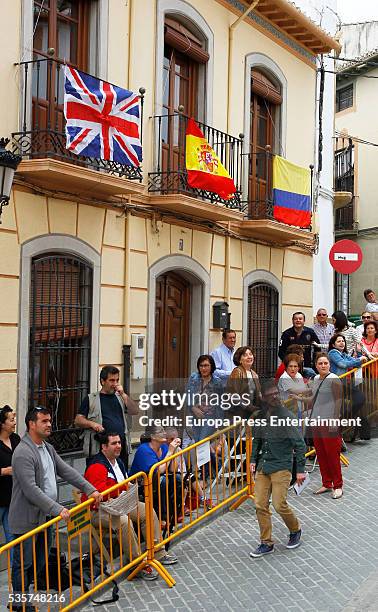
291	193
204	168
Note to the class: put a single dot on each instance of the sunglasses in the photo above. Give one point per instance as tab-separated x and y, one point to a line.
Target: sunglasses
322	314
367	317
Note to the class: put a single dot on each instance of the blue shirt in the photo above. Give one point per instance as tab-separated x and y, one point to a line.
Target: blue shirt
145	458
224	363
342	362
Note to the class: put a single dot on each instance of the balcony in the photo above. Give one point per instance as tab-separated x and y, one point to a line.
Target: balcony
260	222
344	198
42	141
343	175
168	183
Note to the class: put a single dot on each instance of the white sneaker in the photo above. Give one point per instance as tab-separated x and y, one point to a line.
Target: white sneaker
337	493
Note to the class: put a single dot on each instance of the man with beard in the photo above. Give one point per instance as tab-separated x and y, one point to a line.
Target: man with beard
106	410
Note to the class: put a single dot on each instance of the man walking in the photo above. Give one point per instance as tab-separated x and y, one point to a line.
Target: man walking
223	355
105	470
35	467
299	334
272	459
323	329
106	410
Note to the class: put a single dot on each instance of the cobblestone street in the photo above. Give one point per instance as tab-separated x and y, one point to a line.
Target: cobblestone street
335	569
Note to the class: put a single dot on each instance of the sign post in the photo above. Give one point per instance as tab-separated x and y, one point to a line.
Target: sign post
345	256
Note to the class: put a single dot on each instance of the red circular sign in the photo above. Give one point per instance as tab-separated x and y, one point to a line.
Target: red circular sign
345	256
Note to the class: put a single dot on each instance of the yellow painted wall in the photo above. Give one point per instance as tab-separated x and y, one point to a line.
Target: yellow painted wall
30	215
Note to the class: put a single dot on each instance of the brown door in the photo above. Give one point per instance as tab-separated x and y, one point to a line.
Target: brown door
180	87
172	327
61	25
261	135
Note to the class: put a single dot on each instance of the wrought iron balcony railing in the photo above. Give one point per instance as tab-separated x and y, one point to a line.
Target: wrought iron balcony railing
42	131
345	218
170	175
260	185
344	169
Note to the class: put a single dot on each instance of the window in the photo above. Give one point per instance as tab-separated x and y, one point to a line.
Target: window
263	327
344	98
60	340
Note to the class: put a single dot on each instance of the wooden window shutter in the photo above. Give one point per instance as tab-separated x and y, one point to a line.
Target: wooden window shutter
181	39
263	87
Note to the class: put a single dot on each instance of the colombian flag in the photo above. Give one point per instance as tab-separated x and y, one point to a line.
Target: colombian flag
291	193
205	170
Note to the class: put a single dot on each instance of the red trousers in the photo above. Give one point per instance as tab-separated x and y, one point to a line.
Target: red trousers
328	455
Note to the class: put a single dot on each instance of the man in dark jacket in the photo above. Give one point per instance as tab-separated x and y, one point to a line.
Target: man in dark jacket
272	459
35	467
299	334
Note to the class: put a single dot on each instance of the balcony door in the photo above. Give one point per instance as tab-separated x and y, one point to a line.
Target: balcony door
264	107
60	33
184	58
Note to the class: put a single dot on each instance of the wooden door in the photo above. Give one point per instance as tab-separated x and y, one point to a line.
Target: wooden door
172	327
61	25
261	136
180	88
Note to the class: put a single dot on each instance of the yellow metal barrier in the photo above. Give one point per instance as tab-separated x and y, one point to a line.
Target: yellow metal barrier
192	484
367	383
76	537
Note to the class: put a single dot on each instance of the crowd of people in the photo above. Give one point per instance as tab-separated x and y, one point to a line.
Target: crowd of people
312	359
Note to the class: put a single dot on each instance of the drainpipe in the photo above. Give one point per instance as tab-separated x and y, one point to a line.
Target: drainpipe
231	31
227	283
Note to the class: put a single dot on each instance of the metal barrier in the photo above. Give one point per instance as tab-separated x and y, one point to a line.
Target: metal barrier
192	484
78	576
365	379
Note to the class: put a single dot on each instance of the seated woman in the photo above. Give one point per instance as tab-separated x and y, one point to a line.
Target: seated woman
153	450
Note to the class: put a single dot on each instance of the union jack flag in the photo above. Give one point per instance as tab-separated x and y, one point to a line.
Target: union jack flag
102	120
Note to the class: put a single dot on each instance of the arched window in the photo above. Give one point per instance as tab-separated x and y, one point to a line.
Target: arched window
60	340
265	102
263	302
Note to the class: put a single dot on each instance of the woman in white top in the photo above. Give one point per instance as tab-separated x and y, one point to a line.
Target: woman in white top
291	384
327	399
350	333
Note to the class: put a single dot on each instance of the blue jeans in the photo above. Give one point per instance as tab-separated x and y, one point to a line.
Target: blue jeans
27	546
4	512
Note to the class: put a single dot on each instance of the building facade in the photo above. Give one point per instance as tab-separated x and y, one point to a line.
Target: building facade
94	253
356	158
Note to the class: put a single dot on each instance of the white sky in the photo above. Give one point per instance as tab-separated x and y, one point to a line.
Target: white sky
357	10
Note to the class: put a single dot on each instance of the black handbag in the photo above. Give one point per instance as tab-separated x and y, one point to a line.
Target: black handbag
81	571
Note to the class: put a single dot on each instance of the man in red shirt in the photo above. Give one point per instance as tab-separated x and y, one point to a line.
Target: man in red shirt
105	470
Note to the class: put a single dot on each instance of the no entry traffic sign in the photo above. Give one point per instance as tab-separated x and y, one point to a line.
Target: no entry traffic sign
345	256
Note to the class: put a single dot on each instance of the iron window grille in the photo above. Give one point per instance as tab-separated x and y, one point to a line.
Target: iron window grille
60	342
263	327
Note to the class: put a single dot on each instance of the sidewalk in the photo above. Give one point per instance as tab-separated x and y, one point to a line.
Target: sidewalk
335	569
